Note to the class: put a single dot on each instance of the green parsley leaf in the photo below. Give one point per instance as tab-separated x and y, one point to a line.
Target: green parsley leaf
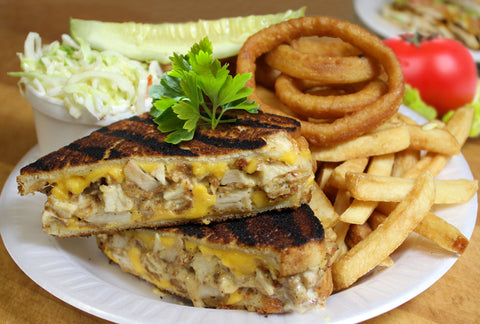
234	89
189	113
197	91
168	121
169	87
161	106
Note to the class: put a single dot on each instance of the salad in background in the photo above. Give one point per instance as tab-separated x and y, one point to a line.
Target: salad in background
101	68
101	72
86	81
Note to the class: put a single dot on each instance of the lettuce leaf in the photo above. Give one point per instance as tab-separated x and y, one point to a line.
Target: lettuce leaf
412	100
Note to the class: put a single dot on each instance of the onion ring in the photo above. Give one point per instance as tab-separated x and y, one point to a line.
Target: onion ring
348	126
331	106
324	46
326	69
265	74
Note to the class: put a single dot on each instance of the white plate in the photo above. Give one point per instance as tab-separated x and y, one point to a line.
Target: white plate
369	13
75	270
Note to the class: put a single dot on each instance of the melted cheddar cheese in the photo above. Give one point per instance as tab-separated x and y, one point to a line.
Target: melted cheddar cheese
289	157
148	167
202	201
260	199
234	298
135	261
252	165
134	256
76	184
217	169
240	263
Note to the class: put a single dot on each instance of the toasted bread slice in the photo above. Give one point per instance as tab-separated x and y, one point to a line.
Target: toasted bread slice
126	176
275	262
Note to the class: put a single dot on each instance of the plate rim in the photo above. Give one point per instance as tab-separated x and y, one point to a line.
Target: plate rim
187	313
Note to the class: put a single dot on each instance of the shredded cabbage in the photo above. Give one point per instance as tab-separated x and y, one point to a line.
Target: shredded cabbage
101	83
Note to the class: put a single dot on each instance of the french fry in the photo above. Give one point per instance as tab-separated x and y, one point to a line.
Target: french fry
358	232
394	189
325	173
395	121
376	219
459	126
385	239
359	210
342	201
337	178
405	119
341	230
443	233
431	162
404	161
322	208
434	139
434	228
380	142
357	199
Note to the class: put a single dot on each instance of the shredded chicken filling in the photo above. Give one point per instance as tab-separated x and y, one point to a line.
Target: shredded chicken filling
208	280
190	190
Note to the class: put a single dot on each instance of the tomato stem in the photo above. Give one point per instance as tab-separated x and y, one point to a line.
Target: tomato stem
416	38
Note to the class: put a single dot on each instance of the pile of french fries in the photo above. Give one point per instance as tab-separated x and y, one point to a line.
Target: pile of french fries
373	191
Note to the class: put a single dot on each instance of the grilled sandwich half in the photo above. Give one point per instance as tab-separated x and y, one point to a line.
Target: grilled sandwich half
275	262
126	176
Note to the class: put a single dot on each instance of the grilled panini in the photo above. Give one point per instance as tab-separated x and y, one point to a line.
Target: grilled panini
126	176
275	262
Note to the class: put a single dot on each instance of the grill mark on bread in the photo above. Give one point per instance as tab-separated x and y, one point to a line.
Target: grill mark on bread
232	143
293	227
274	122
151	143
138	137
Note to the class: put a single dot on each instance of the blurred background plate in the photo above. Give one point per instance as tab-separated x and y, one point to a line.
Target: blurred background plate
368	11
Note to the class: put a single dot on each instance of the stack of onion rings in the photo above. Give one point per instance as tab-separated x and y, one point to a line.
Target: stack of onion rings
364	61
289	91
326	69
324	46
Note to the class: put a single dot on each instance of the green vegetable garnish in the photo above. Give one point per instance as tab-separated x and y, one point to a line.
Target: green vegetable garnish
197	92
412	100
475	104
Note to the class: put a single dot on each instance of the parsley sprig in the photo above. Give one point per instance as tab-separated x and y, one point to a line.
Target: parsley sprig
197	91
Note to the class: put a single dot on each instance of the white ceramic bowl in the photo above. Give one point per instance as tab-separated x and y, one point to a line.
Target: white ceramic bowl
55	127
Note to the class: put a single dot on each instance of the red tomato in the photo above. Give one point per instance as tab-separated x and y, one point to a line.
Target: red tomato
443	70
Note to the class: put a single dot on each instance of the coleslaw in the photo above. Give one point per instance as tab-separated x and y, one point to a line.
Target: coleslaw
102	83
